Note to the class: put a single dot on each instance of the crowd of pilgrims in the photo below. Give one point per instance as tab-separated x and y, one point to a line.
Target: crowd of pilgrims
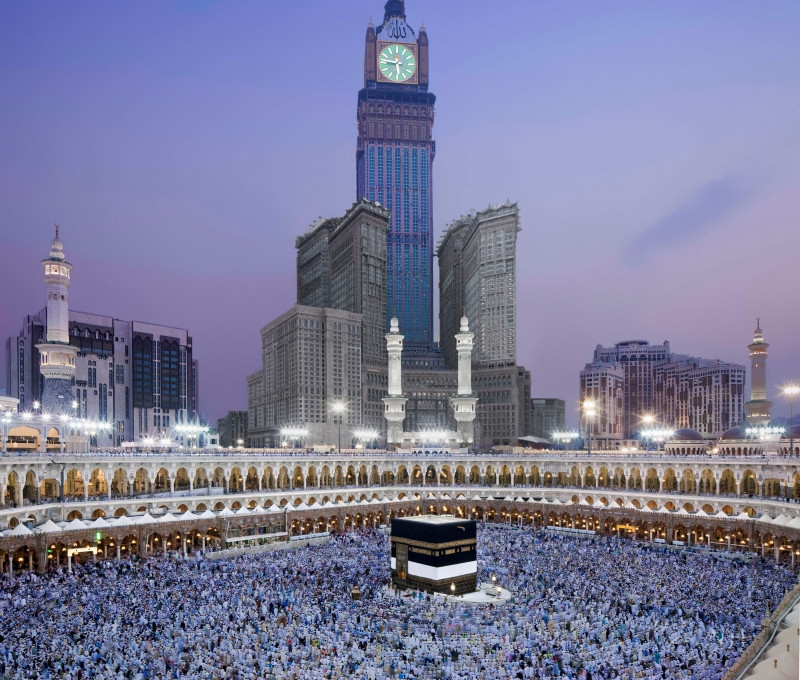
581	608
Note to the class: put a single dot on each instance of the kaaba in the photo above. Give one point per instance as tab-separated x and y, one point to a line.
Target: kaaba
435	553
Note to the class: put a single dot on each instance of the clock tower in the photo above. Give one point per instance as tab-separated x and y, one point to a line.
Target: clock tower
394	161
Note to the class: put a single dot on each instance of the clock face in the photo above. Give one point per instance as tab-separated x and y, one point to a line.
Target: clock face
397	63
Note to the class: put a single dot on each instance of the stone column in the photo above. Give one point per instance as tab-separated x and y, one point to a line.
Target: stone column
118	550
42	566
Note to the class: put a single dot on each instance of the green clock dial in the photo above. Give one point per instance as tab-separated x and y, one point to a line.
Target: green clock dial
397	63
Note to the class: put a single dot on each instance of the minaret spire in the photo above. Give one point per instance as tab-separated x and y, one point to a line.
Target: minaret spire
56	355
757	410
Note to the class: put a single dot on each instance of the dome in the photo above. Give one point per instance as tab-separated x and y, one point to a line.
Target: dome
57	248
464	324
686	434
733	433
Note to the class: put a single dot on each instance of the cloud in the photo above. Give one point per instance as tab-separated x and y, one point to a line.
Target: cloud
700	213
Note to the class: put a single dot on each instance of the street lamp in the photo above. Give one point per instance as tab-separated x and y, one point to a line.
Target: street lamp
366	437
564	438
589	411
657	435
791	391
293	434
339	407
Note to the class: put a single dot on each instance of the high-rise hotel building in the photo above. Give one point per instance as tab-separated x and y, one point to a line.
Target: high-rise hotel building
140	378
329	348
477	278
634	379
394	160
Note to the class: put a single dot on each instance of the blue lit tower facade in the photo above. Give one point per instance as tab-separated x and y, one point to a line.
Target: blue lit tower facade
394	160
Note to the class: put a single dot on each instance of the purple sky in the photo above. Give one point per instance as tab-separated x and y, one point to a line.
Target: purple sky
654	149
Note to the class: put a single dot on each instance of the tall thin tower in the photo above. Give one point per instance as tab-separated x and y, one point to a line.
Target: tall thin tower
394	162
464	402
56	355
394	402
758	408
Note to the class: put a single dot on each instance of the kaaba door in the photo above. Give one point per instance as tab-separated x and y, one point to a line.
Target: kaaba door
401	559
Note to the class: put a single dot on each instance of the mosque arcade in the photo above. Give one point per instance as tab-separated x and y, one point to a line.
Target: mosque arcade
150	503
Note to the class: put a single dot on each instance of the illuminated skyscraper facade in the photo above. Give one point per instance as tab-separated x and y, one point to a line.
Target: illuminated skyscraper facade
394	160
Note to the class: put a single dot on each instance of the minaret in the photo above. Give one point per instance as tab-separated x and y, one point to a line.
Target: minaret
757	409
395	402
464	403
56	355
